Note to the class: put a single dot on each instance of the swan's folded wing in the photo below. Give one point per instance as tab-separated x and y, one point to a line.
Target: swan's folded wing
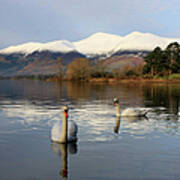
72	129
56	132
129	112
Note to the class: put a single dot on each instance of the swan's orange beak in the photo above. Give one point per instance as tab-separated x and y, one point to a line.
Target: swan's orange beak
66	113
65	110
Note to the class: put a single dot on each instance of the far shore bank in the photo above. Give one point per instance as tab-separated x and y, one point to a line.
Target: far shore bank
99	80
140	80
115	80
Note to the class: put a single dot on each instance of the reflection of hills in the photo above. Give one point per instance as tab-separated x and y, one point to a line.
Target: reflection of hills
44	91
30	90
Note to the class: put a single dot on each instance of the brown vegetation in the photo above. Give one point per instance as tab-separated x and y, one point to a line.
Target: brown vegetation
79	69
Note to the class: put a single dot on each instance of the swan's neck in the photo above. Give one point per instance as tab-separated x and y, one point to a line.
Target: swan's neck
64	134
117	110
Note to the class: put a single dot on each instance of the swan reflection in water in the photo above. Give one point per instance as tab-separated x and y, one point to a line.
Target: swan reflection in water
117	125
129	119
62	150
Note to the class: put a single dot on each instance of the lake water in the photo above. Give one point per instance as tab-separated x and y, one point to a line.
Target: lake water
108	148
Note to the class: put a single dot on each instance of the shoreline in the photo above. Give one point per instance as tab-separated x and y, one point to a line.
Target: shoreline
117	81
103	80
140	80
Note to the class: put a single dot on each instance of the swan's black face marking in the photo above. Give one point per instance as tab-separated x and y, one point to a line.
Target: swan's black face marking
116	101
65	108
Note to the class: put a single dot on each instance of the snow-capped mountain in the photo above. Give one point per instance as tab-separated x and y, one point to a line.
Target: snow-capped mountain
97	44
35	58
143	42
28	48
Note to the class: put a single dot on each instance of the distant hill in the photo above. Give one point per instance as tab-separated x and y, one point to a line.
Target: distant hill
44	62
41	58
118	62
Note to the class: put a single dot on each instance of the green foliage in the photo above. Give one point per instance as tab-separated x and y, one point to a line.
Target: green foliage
172	53
174	76
163	63
155	62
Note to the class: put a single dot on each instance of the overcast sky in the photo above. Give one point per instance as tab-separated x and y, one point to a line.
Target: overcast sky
47	20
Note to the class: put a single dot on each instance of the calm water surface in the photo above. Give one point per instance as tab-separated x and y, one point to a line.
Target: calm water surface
108	147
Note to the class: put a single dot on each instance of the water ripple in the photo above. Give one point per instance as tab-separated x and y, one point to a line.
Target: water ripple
96	120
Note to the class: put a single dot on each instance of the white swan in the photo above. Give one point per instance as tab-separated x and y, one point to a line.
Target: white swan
133	112
65	131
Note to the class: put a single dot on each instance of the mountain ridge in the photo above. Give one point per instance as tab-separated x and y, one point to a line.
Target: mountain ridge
97	44
35	58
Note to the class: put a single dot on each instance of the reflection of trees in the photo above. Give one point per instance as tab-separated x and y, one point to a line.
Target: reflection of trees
59	90
77	90
128	93
163	95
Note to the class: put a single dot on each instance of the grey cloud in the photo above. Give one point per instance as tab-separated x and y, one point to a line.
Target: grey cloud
45	20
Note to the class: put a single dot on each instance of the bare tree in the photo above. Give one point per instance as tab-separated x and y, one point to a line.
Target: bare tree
79	69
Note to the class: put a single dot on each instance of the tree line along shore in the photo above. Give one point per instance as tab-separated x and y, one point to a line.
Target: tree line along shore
159	66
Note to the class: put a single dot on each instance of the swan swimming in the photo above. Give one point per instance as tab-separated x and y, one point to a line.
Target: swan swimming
135	112
65	131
